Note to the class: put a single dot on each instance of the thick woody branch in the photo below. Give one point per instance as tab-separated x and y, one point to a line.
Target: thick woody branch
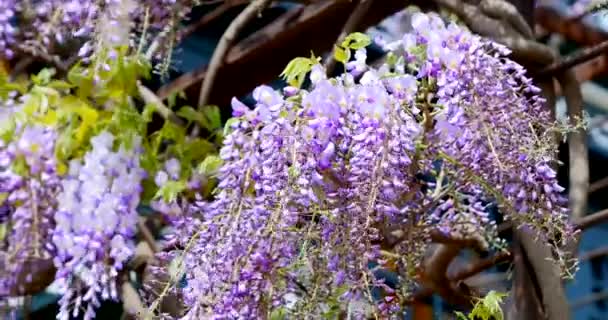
577	145
467	272
435	275
498	9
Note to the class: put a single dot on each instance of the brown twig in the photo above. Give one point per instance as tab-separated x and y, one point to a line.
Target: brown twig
352	24
209	17
583	223
595	253
592	219
225	44
574	59
481	266
598	185
150	98
219	55
147	235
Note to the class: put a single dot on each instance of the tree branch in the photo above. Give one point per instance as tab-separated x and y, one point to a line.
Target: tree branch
150	98
466	273
577	146
225	44
575	59
592	219
598	185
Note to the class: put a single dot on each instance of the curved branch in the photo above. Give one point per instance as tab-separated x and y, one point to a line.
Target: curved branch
574	59
435	275
225	44
498	9
150	98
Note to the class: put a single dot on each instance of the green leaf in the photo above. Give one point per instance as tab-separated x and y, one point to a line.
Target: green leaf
60	85
296	70
66	143
195	149
148	112
391	59
460	316
488	307
213	115
170	190
19	166
356	41
43	77
279	313
2	231
191	114
210	165
82	79
170	131
88	115
341	55
228	125
7	129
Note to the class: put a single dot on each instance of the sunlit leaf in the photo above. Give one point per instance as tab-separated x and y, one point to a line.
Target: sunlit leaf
213	115
193	115
210	165
43	77
280	313
170	190
356	40
341	55
228	125
296	70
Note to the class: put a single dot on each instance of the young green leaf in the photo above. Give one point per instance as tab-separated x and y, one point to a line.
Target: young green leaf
296	70
170	190
210	165
214	118
356	41
278	314
191	114
341	55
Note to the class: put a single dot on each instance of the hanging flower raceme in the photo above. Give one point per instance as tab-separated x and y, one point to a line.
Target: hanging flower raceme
65	22
95	223
313	179
28	187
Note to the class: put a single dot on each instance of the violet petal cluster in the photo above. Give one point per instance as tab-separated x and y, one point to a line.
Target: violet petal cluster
28	187
95	223
60	22
313	179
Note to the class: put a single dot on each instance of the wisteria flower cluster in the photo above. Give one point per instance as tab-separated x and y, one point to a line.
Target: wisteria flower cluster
313	179
28	187
95	222
76	164
42	25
